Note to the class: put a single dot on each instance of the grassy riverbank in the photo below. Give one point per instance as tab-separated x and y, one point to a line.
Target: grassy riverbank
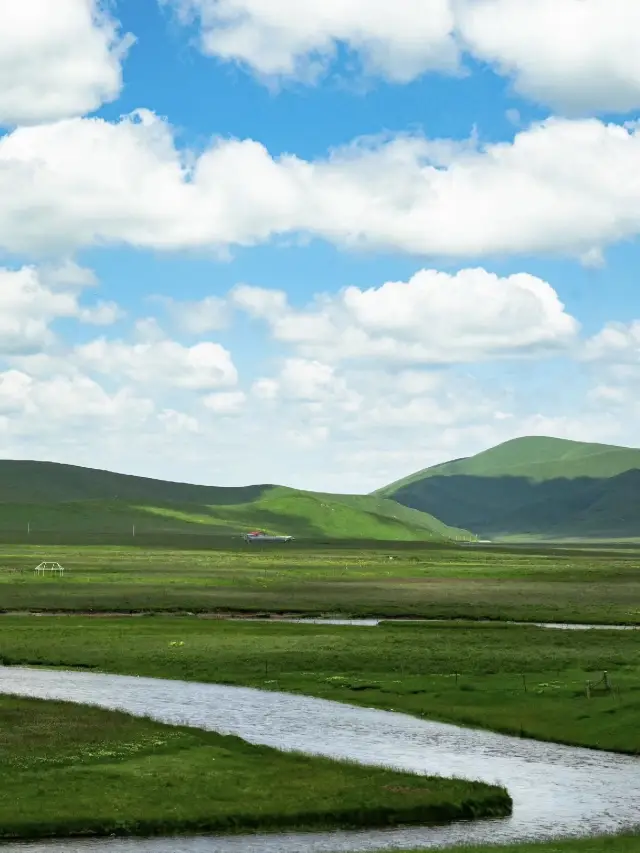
356	579
74	770
517	680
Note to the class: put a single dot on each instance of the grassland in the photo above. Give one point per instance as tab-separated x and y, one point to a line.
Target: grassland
390	579
72	770
518	680
540	487
305	515
537	458
46	498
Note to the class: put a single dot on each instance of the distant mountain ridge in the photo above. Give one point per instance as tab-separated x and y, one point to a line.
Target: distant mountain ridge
26	481
542	487
53	496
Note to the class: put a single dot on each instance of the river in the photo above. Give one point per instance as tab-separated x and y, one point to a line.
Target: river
557	790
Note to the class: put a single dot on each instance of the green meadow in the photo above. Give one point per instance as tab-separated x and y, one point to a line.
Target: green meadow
159	598
350	578
73	770
519	680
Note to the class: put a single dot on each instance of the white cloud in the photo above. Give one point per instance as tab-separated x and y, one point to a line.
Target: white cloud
45	404
57	59
197	317
226	402
616	342
307	380
179	423
433	318
31	299
201	367
290	38
581	56
266	389
310	424
102	314
612	357
608	394
308	438
578	56
560	186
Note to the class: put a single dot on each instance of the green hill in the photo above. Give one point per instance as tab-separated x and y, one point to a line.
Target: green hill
547	488
44	497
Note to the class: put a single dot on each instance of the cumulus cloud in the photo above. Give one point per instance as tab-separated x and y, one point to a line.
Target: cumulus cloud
57	59
616	342
581	56
434	318
560	186
201	367
31	299
612	358
287	38
66	400
578	56
329	426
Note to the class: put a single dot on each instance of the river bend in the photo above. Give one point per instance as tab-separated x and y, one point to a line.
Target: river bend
557	790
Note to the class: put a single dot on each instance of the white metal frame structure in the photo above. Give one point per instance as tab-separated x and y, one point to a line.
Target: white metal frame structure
54	568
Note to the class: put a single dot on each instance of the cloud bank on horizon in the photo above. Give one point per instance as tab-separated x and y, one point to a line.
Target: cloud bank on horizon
193	286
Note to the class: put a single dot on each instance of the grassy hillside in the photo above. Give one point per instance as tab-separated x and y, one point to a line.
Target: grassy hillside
50	482
536	486
50	497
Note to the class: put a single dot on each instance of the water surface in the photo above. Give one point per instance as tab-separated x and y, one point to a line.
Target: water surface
372	623
557	790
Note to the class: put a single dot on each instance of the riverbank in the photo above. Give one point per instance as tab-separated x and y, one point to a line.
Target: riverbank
324	619
556	791
513	679
70	770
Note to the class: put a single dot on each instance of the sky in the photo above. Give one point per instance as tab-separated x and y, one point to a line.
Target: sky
322	243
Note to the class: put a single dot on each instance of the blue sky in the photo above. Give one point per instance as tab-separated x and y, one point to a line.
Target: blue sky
316	244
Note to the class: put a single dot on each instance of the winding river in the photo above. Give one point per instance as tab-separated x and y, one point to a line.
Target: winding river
557	790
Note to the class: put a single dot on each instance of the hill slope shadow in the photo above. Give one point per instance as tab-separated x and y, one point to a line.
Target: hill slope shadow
586	507
52	482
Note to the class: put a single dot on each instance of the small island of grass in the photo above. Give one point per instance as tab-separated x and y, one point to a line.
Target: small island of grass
70	770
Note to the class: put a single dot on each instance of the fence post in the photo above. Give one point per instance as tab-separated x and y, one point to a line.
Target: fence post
607	685
524	682
588	690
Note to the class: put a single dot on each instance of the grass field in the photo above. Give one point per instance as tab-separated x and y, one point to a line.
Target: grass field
520	680
72	770
390	579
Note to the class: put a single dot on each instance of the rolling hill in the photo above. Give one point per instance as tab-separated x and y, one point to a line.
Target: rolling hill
48	497
537	487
